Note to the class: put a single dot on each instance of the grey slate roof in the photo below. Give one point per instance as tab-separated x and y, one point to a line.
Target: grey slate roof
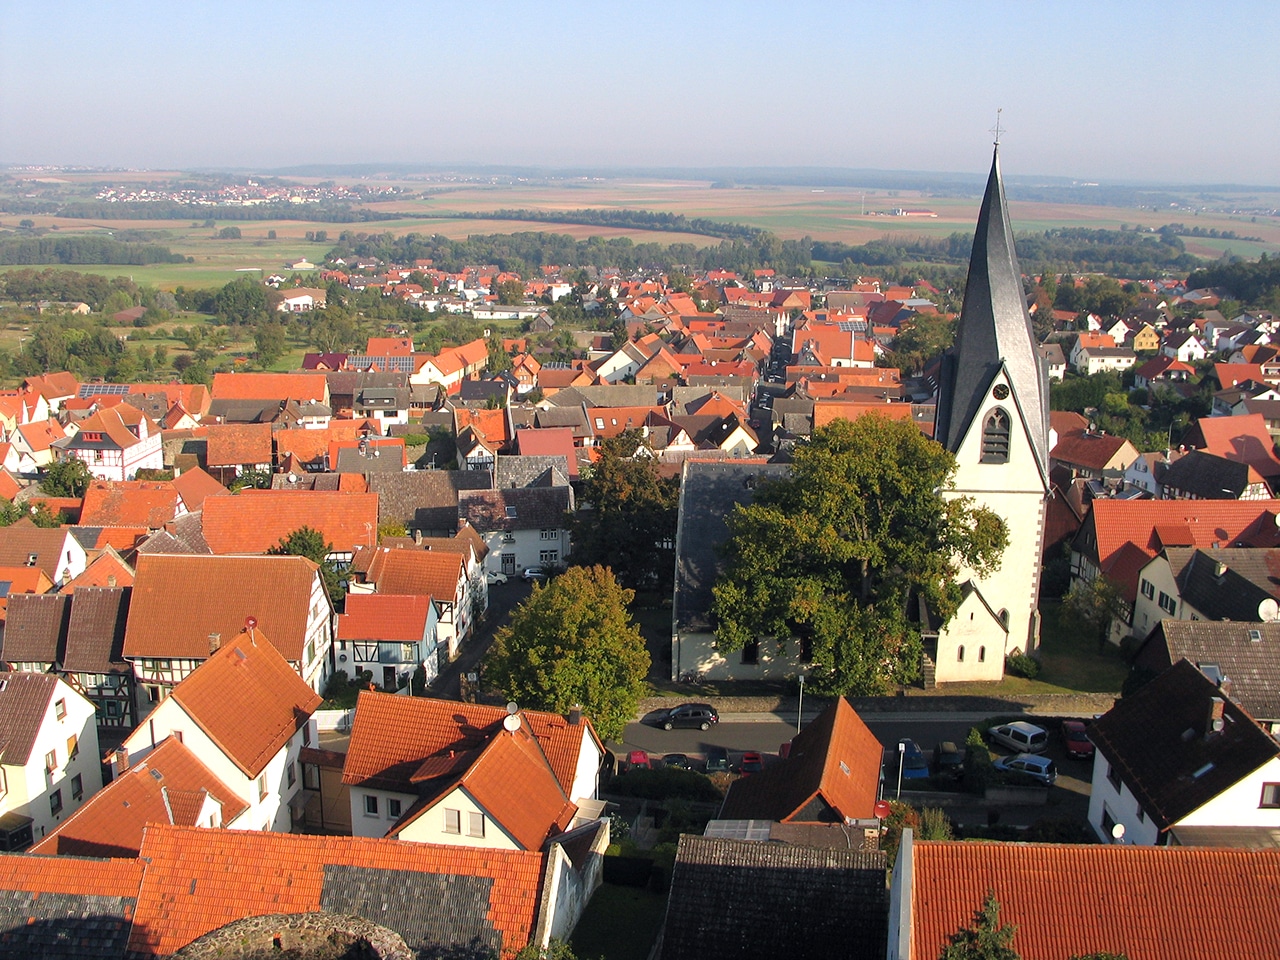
1228	583
35	627
994	330
424	500
1207	476
531	471
1157	740
351	460
48	925
1252	665
708	493
521	508
747	900
617	395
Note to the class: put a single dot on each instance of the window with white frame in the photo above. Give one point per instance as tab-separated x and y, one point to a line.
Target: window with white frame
1168	604
60	709
548	556
370	805
262	787
55	802
393	809
453	822
475	824
1270	795
1148	589
549	534
51	761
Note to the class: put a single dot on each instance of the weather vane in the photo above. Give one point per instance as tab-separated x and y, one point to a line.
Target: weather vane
997	129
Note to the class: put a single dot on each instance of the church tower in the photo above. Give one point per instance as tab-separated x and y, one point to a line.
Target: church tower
993	414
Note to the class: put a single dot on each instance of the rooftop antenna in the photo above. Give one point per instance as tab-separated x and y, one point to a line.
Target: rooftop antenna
249	624
997	129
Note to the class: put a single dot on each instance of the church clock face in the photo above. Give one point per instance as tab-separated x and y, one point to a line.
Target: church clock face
1001	392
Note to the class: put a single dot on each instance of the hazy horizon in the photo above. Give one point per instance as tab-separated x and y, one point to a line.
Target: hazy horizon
1115	93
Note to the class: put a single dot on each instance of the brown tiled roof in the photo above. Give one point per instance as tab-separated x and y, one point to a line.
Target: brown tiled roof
159	789
1153	903
194	486
95	634
24	702
199	880
113	423
429	573
424	499
179	600
380	616
129	503
467	542
1157	740
1248	654
832	774
256	521
233	444
393	736
312	445
1091	450
518	508
247	700
35	627
22	540
101	571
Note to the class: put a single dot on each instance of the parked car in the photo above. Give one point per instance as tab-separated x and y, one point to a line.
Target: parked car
751	763
678	760
717	760
492	577
534	573
948	761
1020	736
688	715
1031	765
1079	746
637	760
914	766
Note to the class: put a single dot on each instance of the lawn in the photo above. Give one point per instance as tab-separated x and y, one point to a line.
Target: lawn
620	923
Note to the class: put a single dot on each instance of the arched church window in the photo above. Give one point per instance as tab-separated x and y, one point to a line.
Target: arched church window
995	438
1004	618
982	654
960	654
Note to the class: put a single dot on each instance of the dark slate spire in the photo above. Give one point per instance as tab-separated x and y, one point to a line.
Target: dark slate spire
994	330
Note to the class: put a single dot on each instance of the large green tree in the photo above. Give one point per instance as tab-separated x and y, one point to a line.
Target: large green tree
66	478
310	543
838	553
630	525
573	642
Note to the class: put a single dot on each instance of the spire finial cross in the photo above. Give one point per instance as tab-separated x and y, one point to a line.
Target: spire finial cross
997	129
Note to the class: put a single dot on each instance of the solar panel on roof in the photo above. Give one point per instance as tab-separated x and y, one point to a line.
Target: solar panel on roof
103	389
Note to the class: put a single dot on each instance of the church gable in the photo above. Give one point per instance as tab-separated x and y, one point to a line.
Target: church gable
996	451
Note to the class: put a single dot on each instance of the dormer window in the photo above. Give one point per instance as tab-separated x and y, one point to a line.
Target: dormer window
995	438
91	437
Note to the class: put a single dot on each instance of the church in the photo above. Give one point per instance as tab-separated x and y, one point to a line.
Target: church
993	415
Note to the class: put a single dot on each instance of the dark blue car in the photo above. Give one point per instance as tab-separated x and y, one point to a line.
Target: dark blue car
914	765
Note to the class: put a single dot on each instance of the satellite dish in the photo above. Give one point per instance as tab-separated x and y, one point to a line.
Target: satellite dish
1117	832
292	478
1268	610
512	708
882	809
511	723
250	622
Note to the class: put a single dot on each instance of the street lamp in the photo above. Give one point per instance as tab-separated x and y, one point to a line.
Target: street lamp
800	712
902	755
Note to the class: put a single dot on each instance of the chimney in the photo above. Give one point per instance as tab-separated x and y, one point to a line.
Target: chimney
215	642
1215	722
575	714
122	760
1219	568
1225	686
417	536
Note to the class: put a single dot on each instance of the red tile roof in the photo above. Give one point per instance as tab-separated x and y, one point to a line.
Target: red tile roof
1244	439
256	521
1148	903
70	875
392	736
236	444
41	434
431	573
309	445
271	386
22	580
111	823
379	616
247	700
116	503
199	880
194	486
179	600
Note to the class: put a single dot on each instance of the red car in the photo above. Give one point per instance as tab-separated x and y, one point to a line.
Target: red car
1079	746
637	760
751	763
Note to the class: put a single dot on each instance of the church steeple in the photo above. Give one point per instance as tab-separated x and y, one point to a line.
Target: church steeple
994	333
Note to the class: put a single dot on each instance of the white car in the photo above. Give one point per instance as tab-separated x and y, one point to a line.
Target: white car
492	577
535	573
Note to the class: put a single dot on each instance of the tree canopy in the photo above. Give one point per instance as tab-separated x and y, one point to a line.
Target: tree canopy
986	939
310	543
66	478
835	553
573	642
631	526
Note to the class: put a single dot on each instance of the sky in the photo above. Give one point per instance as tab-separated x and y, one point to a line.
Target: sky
1154	91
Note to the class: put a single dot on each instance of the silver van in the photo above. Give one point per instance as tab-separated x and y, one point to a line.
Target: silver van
1020	736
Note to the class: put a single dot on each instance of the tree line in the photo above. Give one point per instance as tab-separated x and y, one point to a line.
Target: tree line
634	219
174	210
1251	281
81	249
